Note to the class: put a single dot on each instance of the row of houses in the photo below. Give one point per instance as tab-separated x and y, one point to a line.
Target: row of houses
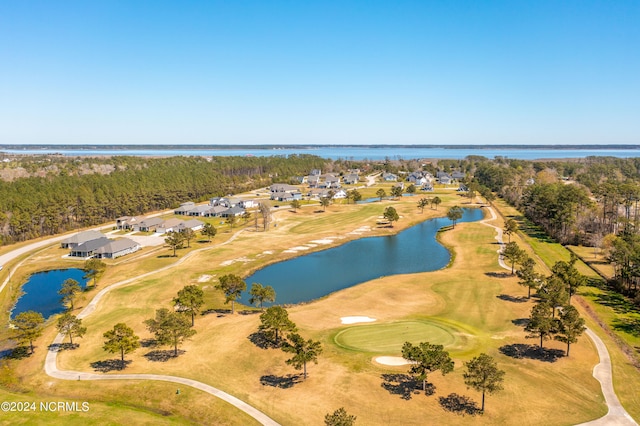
217	207
156	224
95	244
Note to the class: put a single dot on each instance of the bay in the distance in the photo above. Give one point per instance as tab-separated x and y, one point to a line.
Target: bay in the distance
346	152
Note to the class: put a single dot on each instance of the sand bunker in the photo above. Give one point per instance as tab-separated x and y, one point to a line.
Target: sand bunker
356	319
229	262
323	241
296	249
204	278
391	360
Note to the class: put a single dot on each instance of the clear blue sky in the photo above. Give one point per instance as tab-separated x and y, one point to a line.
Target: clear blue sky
293	72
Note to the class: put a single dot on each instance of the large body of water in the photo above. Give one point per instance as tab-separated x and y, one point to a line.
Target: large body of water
348	152
41	291
318	274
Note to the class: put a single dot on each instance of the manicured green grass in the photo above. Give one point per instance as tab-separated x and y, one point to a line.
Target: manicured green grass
389	337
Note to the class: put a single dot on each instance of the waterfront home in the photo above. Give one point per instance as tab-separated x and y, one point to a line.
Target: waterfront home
88	248
116	248
81	238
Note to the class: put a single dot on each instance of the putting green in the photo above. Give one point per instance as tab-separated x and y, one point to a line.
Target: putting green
389	337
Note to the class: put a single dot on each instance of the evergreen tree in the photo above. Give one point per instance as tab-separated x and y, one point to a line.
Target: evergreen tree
303	351
170	328
27	327
232	286
426	358
121	338
483	375
68	291
70	325
189	301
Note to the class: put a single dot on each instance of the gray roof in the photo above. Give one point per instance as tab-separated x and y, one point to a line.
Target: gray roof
189	224
152	221
83	237
115	246
92	245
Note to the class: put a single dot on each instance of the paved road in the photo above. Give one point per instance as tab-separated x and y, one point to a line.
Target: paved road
616	415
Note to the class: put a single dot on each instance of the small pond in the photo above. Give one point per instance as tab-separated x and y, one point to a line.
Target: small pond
41	291
318	274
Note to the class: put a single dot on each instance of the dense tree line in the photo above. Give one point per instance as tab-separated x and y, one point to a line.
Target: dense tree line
66	198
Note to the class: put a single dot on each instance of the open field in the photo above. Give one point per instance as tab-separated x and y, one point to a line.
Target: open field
472	307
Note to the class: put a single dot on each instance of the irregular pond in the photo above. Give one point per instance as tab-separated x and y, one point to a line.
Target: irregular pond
41	291
318	274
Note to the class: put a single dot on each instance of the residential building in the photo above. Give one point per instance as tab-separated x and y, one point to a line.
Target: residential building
81	238
116	248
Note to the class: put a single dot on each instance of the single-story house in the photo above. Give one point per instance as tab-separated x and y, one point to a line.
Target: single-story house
315	172
215	211
445	179
458	175
88	248
81	238
199	210
233	211
117	248
185	208
283	187
286	196
168	225
126	222
193	224
350	179
389	177
147	225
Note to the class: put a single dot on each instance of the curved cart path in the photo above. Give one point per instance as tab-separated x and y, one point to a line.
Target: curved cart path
616	415
51	367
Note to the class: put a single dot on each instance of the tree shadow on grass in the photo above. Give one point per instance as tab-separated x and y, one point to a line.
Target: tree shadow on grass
522	350
404	385
110	365
498	274
57	347
19	352
147	343
282	382
262	340
514	299
162	355
218	312
459	404
627	325
520	322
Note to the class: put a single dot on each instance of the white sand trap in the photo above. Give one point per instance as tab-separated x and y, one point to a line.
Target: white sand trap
356	319
312	245
297	248
323	241
391	360
267	252
204	278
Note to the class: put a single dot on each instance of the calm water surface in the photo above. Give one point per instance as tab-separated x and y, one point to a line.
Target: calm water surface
353	153
41	291
318	274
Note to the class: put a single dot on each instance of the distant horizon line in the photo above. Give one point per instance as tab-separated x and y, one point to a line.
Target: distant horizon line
311	146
